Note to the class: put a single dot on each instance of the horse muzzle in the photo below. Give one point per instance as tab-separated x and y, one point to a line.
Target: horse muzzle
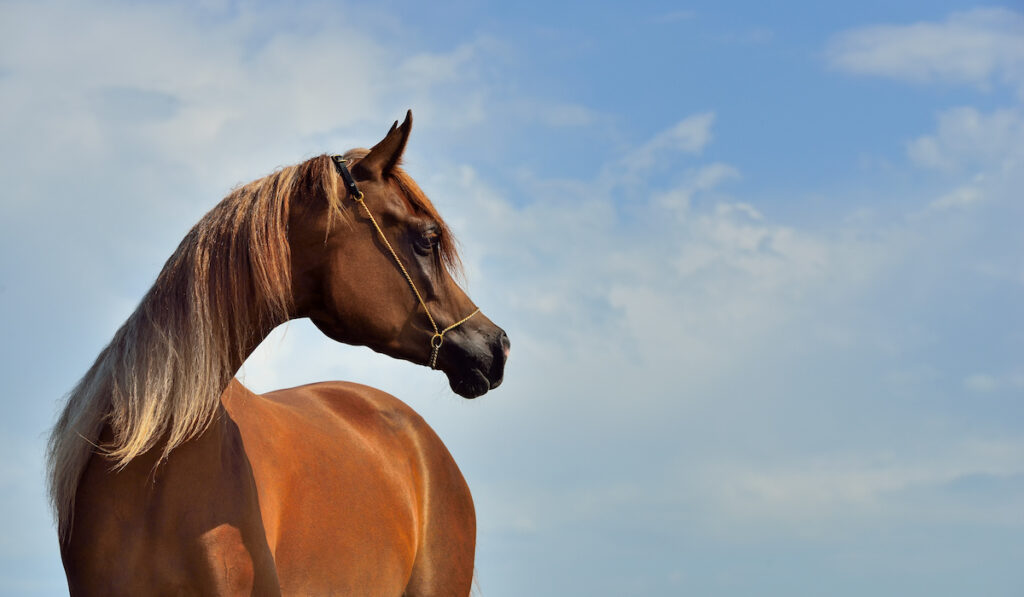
475	361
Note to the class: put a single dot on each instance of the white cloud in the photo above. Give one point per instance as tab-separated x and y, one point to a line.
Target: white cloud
981	152
685	277
226	106
702	179
981	47
968	138
979	155
960	197
689	135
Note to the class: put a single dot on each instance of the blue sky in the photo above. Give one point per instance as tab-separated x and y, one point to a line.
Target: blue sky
761	265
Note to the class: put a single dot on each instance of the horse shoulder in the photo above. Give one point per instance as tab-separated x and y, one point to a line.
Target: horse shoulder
188	525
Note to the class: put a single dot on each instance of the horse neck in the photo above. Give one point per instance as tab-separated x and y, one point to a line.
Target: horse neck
179	351
158	383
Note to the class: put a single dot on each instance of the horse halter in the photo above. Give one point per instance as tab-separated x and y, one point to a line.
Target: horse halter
341	164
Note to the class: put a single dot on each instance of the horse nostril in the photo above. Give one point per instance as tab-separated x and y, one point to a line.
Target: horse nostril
506	345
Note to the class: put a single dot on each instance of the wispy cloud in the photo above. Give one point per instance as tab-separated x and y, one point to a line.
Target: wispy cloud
689	136
703	179
960	197
968	138
981	47
251	94
872	485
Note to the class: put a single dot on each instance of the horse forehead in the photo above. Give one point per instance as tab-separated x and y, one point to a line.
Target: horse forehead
398	203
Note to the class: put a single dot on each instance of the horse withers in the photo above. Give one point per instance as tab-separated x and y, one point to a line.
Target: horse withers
169	477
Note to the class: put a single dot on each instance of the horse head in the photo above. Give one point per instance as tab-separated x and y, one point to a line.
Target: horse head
384	278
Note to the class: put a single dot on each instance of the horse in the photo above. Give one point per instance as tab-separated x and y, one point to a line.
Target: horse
168	477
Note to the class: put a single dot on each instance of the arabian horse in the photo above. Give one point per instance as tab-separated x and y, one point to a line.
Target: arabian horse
168	477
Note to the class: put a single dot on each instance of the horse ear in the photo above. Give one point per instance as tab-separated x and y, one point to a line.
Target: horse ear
385	155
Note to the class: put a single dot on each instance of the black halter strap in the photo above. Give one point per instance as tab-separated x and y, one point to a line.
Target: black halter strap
341	164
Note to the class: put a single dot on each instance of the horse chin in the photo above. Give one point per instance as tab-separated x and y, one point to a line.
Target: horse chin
472	384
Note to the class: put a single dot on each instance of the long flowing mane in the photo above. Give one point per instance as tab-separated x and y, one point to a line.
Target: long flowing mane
161	376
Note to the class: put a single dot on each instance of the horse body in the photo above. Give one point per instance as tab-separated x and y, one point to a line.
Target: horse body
168	477
326	489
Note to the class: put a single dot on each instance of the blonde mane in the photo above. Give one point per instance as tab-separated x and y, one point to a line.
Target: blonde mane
158	383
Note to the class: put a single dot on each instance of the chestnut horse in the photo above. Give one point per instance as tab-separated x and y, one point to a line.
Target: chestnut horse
168	477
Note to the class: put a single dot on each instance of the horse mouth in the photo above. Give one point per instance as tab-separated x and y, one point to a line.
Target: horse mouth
473	384
474	368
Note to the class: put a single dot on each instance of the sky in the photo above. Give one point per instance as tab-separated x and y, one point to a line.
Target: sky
761	265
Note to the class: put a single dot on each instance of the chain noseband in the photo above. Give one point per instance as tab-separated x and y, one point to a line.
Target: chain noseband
341	164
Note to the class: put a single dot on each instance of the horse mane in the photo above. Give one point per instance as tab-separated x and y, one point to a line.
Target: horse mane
161	377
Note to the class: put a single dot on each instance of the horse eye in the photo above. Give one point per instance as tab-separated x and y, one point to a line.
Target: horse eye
427	241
